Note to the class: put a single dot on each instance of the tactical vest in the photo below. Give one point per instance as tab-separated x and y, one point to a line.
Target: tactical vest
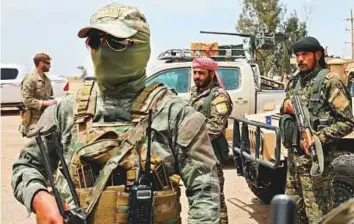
288	127
220	145
119	146
318	121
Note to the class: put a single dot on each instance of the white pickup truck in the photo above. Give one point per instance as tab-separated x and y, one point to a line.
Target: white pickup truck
11	78
240	78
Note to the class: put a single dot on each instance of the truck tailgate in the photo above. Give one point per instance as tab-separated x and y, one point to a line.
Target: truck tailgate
269	100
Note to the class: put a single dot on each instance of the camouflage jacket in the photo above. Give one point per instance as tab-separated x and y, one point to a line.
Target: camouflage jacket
35	89
179	137
220	108
336	103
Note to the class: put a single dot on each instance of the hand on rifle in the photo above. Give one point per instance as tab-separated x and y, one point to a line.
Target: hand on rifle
305	144
288	107
46	209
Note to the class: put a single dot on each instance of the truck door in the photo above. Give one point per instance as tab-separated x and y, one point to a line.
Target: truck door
10	85
238	89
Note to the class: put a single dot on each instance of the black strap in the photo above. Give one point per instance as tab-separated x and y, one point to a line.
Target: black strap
207	102
315	104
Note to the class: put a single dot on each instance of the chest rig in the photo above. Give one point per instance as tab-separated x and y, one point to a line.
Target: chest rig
318	120
109	155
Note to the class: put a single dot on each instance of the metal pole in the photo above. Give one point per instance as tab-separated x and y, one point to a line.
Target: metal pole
352	28
351	19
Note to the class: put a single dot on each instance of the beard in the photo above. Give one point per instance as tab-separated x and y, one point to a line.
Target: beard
45	69
305	68
201	84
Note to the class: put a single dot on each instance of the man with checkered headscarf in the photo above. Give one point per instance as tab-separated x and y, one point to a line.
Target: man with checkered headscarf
210	98
103	136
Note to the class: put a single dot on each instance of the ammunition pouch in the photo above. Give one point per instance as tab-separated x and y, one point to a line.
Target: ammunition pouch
26	116
318	124
289	131
113	203
113	206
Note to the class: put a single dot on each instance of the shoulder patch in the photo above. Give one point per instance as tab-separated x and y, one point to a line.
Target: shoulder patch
338	99
333	75
221	108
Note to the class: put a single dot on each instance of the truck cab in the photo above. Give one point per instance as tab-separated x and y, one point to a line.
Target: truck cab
240	79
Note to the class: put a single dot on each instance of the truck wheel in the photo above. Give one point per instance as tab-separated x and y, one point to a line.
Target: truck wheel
343	178
270	182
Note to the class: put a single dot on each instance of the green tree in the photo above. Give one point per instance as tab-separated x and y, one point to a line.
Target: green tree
270	14
294	29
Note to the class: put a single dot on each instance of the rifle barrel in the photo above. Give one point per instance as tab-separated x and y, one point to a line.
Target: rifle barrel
48	169
226	33
65	170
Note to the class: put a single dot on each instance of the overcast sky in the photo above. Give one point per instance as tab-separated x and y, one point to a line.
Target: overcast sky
30	26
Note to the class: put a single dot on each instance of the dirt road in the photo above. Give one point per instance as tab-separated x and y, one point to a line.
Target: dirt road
243	206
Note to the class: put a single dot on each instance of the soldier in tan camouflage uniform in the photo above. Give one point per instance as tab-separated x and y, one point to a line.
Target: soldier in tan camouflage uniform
118	38
209	98
36	91
331	118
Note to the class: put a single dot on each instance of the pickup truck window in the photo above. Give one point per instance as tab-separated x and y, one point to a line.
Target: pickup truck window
8	73
230	78
178	78
173	78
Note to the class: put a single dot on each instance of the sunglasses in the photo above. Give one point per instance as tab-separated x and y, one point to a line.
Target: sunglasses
95	39
46	62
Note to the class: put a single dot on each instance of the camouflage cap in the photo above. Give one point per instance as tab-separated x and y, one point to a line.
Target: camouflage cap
119	20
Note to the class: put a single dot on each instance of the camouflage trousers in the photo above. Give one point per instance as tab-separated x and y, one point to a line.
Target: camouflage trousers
223	208
313	195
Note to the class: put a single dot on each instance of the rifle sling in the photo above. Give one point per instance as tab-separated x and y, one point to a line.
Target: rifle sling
133	136
317	168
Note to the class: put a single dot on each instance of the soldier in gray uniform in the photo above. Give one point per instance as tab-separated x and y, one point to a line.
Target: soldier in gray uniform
119	41
209	98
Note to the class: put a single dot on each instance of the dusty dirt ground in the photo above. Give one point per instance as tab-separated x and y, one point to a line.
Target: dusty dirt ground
243	206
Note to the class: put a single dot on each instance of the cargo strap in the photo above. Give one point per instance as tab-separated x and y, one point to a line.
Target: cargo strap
141	104
84	109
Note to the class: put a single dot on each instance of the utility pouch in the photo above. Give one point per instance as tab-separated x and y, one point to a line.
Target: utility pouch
318	124
26	117
289	131
87	176
160	176
221	149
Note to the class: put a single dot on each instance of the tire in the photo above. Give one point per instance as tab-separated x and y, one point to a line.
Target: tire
270	182
343	178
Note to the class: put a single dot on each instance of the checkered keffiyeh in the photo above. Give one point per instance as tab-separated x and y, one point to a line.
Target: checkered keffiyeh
210	64
205	63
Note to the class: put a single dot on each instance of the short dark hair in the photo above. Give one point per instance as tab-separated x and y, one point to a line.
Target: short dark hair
40	57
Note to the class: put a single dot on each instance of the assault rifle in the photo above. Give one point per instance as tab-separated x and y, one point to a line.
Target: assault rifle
303	122
75	215
142	194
